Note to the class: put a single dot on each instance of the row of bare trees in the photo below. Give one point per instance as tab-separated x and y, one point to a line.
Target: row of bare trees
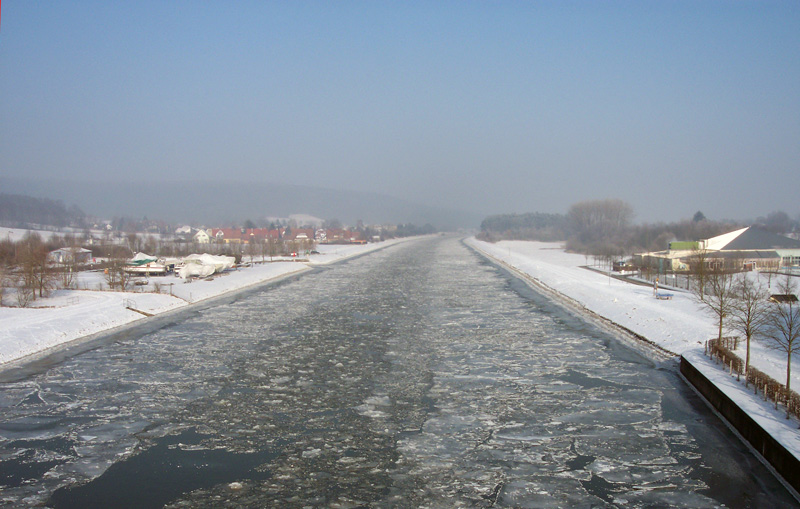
32	277
740	303
276	247
27	273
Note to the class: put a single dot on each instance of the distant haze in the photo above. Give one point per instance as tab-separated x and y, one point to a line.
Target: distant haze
231	203
440	107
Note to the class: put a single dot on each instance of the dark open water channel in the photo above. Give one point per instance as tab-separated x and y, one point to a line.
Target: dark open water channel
417	376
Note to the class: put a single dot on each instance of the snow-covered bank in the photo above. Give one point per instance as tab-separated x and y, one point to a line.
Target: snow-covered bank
677	325
69	315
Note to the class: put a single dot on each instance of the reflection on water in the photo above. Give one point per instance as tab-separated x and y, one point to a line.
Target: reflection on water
416	376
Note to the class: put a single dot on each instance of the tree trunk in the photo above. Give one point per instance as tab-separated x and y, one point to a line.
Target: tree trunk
788	369
747	362
788	377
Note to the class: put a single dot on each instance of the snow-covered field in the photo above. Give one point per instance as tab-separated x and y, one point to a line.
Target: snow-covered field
17	234
69	315
678	325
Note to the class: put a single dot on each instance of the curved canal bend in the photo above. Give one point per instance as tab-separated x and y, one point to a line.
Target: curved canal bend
419	375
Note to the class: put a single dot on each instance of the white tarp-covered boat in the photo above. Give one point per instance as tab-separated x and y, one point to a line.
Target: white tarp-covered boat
143	258
202	265
195	270
145	264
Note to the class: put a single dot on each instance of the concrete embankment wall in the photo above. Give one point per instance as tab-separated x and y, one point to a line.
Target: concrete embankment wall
784	463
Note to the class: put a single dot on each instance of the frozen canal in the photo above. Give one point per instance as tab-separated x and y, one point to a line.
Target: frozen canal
417	376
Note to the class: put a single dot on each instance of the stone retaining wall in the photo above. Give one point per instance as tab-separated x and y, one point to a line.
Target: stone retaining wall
784	463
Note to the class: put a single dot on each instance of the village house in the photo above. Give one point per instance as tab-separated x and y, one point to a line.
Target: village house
243	235
340	236
226	235
69	255
300	235
259	235
201	237
334	236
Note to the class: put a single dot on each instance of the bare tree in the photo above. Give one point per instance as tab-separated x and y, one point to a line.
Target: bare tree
150	245
3	283
66	275
116	276
252	249
719	295
699	271
68	268
749	311
782	328
133	241
35	274
595	220
293	246
777	222
25	295
308	245
273	247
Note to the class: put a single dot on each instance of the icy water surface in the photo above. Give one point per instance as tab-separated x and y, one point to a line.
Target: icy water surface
418	376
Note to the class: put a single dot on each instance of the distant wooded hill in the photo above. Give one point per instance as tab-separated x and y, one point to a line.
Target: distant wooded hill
20	210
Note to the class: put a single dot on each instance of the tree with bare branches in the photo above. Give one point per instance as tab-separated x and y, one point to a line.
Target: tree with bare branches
699	270
274	247
3	283
782	329
718	296
67	271
595	220
35	275
262	249
116	276
749	310
252	249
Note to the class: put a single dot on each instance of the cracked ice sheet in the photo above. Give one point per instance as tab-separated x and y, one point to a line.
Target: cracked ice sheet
527	401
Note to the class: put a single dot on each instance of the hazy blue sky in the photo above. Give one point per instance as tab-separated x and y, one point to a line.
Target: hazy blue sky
494	106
